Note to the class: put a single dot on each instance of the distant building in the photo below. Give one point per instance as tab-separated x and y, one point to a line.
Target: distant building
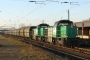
83	28
2	29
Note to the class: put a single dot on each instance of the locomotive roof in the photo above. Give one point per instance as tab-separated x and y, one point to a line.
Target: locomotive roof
65	21
30	26
62	21
43	24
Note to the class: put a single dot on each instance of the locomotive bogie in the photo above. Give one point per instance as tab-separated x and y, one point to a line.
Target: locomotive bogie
49	40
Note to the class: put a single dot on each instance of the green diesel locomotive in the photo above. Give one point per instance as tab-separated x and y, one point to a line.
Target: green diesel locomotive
39	32
64	33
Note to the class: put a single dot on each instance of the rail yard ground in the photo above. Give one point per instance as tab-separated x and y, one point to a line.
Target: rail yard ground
12	49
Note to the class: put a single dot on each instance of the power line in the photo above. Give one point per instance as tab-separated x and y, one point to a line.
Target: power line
30	12
8	12
63	11
24	8
34	10
83	14
43	5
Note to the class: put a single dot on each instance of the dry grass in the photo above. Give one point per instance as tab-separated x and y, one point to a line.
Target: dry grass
30	52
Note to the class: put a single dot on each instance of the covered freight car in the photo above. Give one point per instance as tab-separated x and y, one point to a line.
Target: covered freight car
18	32
28	31
21	32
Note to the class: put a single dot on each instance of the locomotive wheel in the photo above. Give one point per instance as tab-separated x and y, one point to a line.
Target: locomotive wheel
42	39
36	38
69	43
45	40
53	41
57	42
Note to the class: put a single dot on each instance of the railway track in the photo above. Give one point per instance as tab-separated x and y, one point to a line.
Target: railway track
78	53
82	50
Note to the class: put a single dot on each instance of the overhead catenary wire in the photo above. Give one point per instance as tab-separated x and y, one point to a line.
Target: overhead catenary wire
30	12
83	13
62	11
8	12
39	8
34	10
54	14
24	8
67	9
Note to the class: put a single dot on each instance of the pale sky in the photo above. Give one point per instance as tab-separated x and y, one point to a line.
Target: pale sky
17	12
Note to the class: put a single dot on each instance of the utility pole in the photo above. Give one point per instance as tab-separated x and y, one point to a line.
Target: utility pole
61	18
68	15
30	24
82	28
42	21
14	25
